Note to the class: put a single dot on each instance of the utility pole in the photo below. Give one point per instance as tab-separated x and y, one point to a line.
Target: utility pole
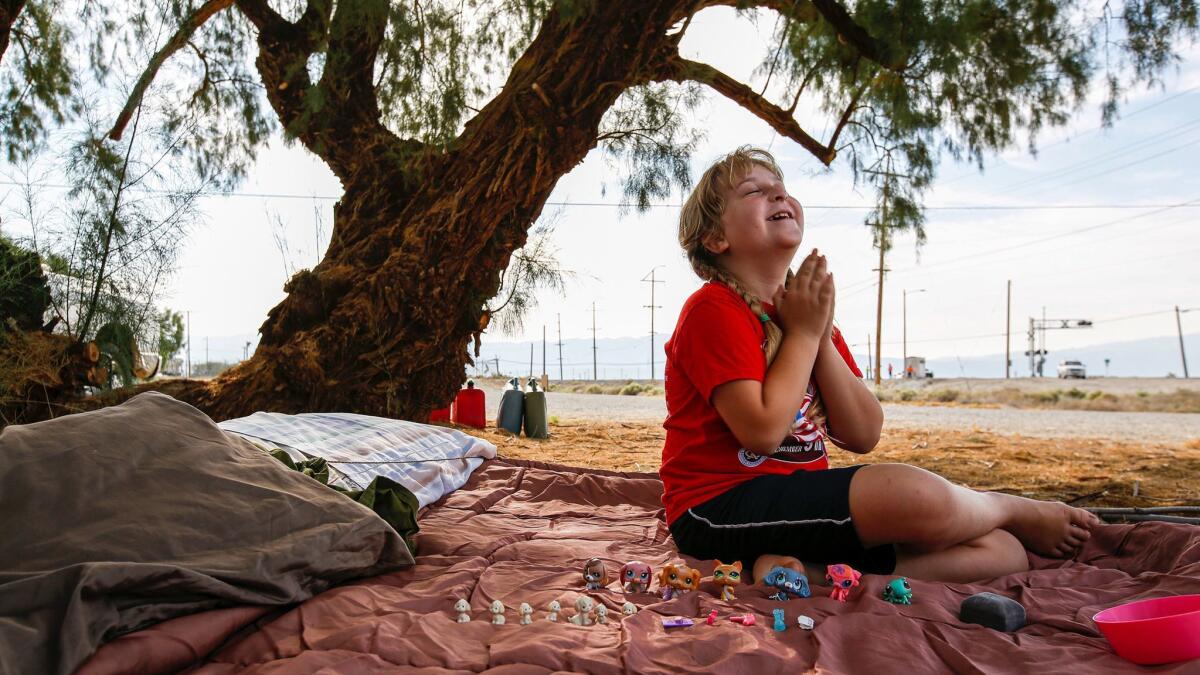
1179	327
189	339
882	226
595	373
1008	333
543	350
560	370
868	355
1036	326
904	322
652	307
531	359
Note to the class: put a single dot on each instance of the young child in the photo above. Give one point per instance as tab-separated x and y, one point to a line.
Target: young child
757	378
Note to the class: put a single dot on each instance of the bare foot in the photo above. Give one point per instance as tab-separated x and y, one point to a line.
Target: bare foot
1049	528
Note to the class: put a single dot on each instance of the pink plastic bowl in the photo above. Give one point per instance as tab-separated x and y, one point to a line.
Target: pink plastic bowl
1158	630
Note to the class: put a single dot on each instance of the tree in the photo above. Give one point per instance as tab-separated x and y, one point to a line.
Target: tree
170	335
444	170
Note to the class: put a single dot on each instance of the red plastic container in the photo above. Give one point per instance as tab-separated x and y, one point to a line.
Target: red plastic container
440	415
468	407
1158	630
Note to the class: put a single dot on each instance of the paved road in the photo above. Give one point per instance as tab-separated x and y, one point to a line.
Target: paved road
1132	426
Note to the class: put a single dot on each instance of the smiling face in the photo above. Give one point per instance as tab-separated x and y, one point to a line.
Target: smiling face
759	217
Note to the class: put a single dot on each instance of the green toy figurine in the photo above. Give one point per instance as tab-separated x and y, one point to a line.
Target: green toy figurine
898	592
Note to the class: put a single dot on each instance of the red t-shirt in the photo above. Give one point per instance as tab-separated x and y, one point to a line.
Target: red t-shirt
718	339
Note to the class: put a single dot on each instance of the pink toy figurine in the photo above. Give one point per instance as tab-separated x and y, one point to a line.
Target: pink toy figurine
744	619
842	578
712	617
636	576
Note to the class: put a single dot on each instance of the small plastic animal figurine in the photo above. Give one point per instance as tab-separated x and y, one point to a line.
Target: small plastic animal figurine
629	609
744	619
727	576
676	622
898	592
712	618
842	578
601	614
554	608
583	611
636	576
677	580
526	613
805	622
497	612
787	581
462	607
779	624
594	575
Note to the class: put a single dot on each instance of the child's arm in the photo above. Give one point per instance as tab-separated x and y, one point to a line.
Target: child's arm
855	416
761	413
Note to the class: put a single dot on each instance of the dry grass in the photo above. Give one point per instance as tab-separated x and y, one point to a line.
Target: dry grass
1180	400
1091	472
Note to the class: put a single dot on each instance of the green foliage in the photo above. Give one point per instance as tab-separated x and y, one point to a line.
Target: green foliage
170	334
24	292
36	79
532	267
631	389
117	345
647	135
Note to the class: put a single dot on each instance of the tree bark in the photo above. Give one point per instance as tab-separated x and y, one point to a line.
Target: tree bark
381	326
9	11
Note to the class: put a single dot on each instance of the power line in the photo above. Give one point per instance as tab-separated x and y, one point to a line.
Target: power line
837	207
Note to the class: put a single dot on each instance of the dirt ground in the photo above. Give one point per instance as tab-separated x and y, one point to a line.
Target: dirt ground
1085	472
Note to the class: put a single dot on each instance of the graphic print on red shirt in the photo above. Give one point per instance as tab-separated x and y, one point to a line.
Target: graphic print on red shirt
718	339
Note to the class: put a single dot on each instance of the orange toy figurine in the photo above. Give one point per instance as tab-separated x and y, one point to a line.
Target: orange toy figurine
727	576
842	578
677	580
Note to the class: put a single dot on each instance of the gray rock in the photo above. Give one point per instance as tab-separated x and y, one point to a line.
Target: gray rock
994	611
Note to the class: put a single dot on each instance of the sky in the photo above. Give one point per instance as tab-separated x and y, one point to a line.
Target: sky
1100	225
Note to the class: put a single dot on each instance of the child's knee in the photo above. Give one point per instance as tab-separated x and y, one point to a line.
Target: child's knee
1008	551
765	562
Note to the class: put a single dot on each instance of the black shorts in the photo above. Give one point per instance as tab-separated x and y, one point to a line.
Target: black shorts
805	514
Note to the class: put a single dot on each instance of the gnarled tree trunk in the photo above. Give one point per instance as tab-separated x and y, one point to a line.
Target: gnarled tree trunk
382	325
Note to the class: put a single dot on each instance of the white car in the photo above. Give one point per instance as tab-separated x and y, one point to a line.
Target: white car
1072	369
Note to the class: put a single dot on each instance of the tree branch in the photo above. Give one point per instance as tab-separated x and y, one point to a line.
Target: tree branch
193	22
879	52
679	69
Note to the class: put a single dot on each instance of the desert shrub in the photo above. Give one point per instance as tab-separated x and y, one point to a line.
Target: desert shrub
631	389
653	391
908	395
1092	396
1142	394
945	395
1047	396
1075	392
593	389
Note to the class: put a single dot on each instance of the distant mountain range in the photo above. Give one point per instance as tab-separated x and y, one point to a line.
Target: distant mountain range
629	358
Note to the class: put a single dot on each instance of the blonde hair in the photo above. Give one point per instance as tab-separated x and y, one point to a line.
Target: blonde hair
700	219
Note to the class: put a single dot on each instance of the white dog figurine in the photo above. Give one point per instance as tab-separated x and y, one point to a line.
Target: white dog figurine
629	609
526	613
601	614
462	607
497	612
555	608
583	607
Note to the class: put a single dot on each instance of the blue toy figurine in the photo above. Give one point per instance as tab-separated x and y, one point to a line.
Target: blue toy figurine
788	582
778	614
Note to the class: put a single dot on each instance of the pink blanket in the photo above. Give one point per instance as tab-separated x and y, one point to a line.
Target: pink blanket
521	531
